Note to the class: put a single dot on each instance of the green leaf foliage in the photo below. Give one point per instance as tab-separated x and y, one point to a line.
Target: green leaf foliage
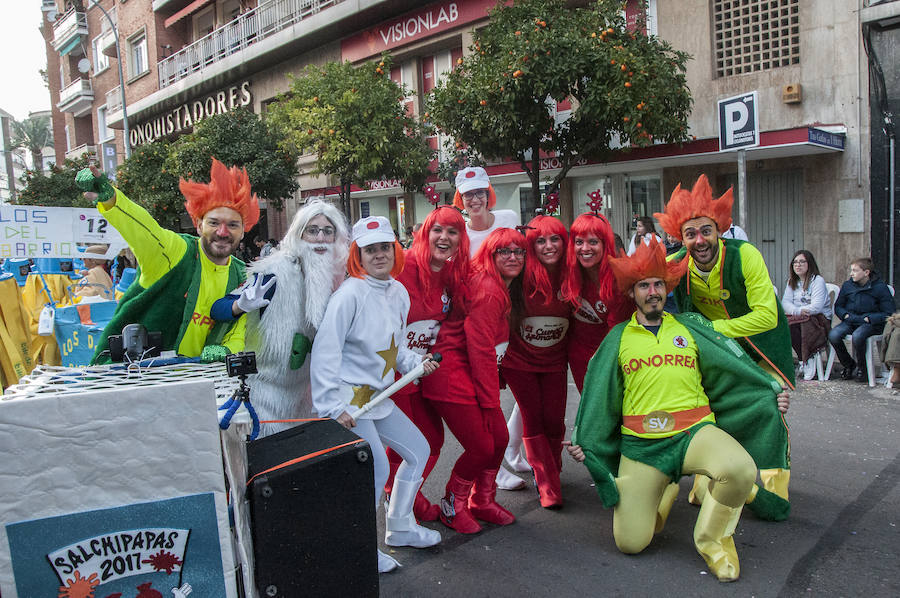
238	138
626	89
56	189
355	121
145	179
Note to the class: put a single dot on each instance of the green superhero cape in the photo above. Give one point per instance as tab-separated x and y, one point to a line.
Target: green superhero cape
741	395
168	304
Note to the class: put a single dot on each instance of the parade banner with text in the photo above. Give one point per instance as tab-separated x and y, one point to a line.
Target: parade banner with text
38	231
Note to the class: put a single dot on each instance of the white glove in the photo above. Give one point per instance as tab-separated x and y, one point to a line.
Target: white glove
182	591
253	296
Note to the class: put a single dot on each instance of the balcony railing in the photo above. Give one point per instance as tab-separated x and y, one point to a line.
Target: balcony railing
247	29
77	97
67	29
76	152
108	43
113	104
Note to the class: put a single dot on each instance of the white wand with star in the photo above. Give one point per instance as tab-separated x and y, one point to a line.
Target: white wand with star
413	374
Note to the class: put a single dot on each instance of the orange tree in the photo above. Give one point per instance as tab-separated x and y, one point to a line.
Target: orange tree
626	89
355	121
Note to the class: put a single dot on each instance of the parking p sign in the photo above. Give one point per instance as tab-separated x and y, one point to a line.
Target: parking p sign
739	122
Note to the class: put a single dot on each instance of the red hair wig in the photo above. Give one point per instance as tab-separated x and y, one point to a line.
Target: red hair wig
584	225
483	260
684	206
227	188
647	261
537	278
356	269
456	270
491	199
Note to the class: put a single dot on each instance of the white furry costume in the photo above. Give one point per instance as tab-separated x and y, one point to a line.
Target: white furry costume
277	391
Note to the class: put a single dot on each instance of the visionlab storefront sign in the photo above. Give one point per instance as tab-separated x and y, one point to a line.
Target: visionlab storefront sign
414	26
183	118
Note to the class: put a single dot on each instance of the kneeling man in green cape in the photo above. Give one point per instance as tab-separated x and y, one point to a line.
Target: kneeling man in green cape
665	396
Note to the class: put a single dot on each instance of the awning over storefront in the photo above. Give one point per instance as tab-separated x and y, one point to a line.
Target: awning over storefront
786	143
190	8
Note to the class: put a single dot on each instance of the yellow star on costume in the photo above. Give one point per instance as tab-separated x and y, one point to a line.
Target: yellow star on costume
389	356
362	395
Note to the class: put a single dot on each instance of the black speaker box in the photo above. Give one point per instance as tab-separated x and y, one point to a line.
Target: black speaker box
312	512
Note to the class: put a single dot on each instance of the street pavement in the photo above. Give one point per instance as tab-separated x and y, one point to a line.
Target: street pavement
842	538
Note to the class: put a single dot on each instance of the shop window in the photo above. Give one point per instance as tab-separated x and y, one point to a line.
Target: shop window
755	35
528	203
644	196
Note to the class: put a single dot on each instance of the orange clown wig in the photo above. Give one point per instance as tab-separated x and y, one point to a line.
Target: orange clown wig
684	206
227	188
647	261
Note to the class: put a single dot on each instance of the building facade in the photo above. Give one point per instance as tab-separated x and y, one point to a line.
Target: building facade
806	182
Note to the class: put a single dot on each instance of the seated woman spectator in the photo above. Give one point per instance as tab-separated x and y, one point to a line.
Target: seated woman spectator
863	305
890	349
645	231
805	303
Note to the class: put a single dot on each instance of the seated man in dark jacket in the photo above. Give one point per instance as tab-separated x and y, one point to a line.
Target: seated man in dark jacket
863	305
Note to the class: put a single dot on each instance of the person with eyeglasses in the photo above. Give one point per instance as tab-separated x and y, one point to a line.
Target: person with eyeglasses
465	391
535	365
805	302
181	275
475	195
285	299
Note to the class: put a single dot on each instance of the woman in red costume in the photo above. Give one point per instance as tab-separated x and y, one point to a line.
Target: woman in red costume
535	366
433	274
467	395
591	289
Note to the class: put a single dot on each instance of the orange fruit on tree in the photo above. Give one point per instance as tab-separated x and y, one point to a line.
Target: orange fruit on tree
628	84
517	74
483	102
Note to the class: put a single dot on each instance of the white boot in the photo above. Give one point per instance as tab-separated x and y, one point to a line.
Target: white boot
386	563
513	454
809	367
508	481
400	524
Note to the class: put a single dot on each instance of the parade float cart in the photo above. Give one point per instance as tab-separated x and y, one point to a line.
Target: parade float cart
113	483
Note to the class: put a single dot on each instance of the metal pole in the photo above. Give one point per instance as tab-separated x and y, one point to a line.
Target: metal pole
891	220
115	31
742	188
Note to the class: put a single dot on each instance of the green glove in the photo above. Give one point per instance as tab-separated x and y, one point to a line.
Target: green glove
212	353
299	350
86	181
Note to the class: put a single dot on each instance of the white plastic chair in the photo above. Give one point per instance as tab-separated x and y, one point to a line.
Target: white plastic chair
833	291
870	352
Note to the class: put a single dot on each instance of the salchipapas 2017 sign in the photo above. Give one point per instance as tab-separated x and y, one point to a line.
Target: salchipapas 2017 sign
739	122
97	554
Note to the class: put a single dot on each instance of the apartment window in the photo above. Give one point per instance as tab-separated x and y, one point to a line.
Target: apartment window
137	55
101	60
68	138
204	22
755	35
103	132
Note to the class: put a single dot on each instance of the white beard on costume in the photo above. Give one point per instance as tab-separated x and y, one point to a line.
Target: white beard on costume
321	274
304	283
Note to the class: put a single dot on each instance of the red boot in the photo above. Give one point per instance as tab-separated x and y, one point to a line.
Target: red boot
546	474
556	449
482	503
424	510
455	512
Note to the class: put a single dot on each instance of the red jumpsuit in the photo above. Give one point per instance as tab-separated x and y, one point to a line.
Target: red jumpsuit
589	325
465	390
426	314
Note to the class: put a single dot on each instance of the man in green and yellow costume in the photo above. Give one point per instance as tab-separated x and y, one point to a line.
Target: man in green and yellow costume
180	276
666	396
727	281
